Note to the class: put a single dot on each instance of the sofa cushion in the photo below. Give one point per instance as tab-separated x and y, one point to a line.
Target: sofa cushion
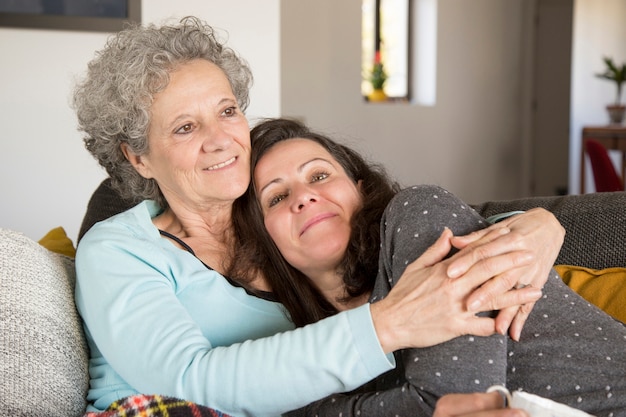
56	240
43	353
605	288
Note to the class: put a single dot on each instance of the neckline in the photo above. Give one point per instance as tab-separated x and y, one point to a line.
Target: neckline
265	295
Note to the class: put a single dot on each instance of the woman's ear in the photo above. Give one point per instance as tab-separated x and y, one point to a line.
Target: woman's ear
137	161
359	185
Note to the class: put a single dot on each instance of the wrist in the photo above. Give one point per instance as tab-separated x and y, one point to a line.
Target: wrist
382	326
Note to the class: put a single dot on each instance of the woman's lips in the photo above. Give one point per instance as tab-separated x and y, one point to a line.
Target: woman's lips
315	220
222	164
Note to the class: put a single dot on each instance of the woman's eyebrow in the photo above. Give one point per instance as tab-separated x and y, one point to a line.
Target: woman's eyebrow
274	181
319	158
299	170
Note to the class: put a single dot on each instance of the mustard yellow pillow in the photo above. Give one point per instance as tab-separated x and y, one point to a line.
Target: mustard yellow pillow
56	240
606	288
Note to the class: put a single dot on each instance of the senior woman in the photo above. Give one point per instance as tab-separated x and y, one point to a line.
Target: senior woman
161	109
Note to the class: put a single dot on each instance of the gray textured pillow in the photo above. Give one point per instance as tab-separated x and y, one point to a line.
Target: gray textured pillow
595	225
43	353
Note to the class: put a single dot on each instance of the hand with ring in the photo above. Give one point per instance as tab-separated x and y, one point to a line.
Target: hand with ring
534	238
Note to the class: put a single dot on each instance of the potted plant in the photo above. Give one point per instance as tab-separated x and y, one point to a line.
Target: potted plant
616	74
378	77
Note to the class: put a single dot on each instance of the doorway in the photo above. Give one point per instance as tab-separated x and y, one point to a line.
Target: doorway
550	107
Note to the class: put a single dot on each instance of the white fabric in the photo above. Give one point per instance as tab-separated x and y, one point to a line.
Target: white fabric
43	353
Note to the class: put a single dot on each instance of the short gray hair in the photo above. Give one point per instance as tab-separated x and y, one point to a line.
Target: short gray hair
113	101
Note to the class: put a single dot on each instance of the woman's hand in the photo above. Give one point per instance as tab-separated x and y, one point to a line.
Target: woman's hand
426	307
536	232
475	405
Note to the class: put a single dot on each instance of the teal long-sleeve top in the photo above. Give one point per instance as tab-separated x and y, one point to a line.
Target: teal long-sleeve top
158	321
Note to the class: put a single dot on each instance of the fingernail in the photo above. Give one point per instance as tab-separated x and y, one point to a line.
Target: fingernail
536	293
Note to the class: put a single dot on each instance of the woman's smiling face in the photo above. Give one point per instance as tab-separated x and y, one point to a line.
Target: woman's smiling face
199	139
307	201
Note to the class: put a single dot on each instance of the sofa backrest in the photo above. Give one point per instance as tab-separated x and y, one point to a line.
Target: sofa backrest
595	225
43	352
104	203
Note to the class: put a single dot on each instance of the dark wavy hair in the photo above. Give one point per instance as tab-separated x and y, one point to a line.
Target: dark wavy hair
256	253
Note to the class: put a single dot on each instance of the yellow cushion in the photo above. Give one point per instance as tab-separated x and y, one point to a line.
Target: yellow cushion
56	240
606	288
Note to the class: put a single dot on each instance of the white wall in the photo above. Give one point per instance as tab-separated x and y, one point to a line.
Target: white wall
599	30
470	142
46	175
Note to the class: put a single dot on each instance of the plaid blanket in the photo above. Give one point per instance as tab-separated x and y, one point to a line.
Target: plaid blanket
156	406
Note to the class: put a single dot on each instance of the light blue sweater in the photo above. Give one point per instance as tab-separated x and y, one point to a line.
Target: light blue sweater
159	322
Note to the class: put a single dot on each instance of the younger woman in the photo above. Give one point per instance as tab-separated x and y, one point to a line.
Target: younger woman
321	205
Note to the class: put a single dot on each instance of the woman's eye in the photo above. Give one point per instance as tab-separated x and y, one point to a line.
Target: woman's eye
276	199
319	176
185	128
230	111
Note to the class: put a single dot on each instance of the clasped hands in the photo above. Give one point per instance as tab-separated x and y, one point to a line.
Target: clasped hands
532	241
502	268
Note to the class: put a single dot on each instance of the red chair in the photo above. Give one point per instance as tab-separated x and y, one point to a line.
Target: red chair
605	175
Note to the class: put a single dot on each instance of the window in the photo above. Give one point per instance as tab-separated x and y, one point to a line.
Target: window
403	35
385	35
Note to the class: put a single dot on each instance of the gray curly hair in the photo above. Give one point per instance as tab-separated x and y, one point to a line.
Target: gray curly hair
113	101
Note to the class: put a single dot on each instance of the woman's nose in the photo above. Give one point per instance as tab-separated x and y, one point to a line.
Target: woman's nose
303	197
216	139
